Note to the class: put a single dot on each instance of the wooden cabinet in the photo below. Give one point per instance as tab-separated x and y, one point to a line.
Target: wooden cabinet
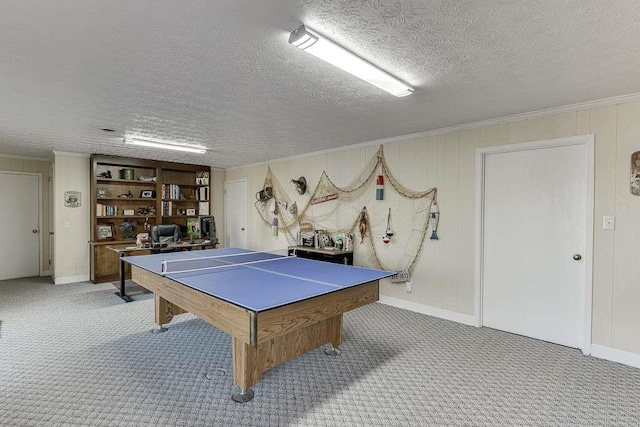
334	256
130	195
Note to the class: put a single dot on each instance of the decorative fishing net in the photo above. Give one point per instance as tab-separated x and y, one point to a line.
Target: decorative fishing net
354	209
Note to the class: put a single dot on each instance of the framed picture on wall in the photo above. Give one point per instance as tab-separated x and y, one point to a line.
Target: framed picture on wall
104	231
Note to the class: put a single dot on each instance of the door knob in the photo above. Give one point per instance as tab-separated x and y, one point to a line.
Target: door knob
51	233
577	257
242	229
34	231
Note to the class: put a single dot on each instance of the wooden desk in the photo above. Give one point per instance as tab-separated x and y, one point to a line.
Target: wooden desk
129	250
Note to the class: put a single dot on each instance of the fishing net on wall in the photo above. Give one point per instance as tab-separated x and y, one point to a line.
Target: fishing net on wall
354	209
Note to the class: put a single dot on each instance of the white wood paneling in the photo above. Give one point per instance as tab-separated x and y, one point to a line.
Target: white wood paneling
540	128
603	125
503	134
469	142
449	221
564	124
517	132
488	136
582	122
626	292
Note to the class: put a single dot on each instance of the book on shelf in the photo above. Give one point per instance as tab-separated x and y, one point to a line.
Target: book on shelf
202	193
203	208
167	208
106	210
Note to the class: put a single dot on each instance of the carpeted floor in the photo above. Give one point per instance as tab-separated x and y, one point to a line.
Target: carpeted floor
77	355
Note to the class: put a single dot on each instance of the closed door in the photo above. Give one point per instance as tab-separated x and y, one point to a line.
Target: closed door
19	219
51	221
235	214
534	222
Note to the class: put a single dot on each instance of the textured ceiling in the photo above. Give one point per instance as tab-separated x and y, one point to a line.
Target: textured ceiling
221	73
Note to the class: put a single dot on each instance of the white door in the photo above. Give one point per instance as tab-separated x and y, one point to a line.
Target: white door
534	224
19	216
235	214
51	220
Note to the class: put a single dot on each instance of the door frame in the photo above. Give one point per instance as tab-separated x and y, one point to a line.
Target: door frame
226	206
481	154
40	232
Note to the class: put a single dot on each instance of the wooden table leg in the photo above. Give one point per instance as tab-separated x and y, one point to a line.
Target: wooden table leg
165	311
249	362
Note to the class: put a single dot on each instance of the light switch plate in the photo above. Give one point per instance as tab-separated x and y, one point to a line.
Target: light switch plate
608	223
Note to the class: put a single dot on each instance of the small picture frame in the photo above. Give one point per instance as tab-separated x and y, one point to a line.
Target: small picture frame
147	194
202	178
101	193
129	212
72	199
104	231
182	211
191	212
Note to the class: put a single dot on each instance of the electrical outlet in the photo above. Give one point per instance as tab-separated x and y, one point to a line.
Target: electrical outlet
608	223
408	284
66	224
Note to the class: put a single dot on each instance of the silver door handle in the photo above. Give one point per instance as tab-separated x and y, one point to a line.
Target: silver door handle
51	233
577	257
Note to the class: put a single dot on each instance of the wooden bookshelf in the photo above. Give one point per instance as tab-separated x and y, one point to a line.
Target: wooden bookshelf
143	196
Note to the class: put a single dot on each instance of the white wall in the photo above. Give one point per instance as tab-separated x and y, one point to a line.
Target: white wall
71	173
443	278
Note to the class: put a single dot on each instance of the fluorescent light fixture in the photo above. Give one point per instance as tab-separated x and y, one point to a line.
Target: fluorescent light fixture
308	40
165	145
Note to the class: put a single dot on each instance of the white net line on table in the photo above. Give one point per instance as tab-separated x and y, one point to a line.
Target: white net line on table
201	262
356	208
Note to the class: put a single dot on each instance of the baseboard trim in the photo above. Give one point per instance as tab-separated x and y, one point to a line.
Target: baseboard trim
615	355
71	279
465	319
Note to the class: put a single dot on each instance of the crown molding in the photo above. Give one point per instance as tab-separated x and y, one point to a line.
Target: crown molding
68	154
623	99
9	156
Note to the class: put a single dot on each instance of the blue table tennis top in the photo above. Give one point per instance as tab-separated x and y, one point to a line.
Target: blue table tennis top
261	285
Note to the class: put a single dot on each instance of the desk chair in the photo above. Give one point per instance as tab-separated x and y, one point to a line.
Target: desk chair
163	234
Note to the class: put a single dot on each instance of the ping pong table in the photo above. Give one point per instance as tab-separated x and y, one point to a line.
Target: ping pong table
274	307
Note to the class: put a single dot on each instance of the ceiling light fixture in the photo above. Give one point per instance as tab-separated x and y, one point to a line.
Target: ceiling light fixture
319	46
165	145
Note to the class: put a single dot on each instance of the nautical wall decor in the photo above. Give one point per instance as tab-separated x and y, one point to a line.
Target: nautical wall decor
635	173
356	210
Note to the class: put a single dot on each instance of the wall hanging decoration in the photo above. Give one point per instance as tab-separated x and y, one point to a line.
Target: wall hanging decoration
635	173
380	187
387	235
301	185
128	227
434	219
344	211
72	199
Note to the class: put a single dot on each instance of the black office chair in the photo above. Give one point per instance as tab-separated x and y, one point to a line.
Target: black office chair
164	233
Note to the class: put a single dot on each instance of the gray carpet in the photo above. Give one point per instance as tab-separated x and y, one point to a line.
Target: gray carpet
77	355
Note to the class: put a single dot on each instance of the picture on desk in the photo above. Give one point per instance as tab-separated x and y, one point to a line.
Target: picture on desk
193	228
